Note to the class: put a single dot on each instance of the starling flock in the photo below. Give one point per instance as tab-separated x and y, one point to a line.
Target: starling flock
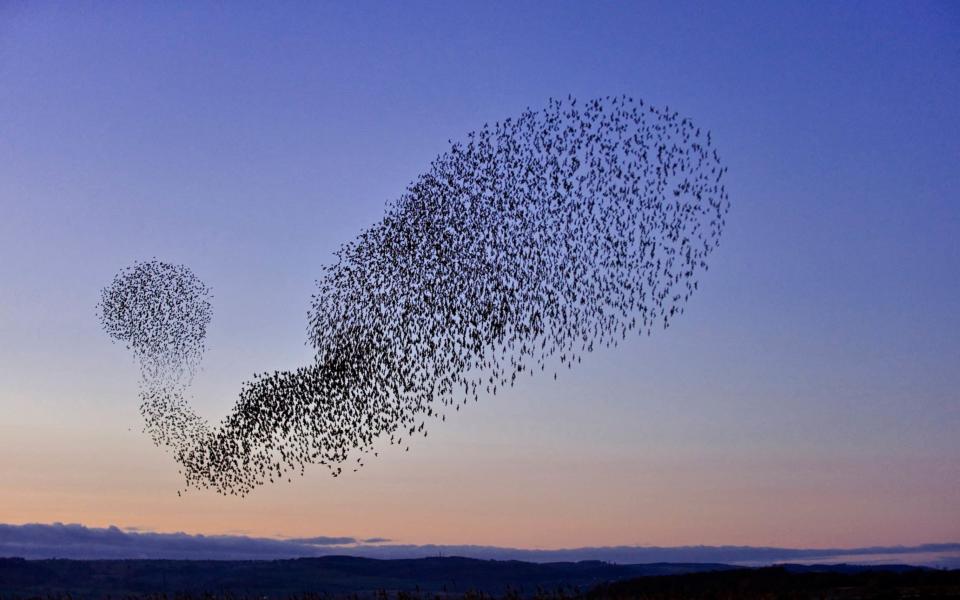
525	245
161	312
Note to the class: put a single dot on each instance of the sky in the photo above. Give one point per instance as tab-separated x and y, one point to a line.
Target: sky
808	397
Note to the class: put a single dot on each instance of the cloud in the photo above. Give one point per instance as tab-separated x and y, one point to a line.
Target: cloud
79	542
324	541
58	540
940	555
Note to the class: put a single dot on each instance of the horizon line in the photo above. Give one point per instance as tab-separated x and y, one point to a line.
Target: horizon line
77	541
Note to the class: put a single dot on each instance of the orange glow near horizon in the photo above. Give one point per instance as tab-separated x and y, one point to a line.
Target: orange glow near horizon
448	493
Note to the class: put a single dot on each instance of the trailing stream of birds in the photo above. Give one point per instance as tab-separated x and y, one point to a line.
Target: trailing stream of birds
522	247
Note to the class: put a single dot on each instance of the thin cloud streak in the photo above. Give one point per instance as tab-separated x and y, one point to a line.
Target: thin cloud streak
324	541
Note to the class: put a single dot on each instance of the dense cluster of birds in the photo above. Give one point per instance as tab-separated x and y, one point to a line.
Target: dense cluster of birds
160	312
525	245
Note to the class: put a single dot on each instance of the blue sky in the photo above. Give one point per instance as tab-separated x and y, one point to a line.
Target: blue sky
808	397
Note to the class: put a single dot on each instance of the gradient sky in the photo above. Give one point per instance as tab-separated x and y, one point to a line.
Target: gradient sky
808	397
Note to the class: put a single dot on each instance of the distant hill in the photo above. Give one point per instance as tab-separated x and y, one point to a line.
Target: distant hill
837	582
331	574
338	575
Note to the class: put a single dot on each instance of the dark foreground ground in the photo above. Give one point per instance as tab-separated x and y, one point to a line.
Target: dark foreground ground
337	577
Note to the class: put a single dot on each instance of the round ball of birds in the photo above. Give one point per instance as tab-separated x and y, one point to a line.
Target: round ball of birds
161	312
